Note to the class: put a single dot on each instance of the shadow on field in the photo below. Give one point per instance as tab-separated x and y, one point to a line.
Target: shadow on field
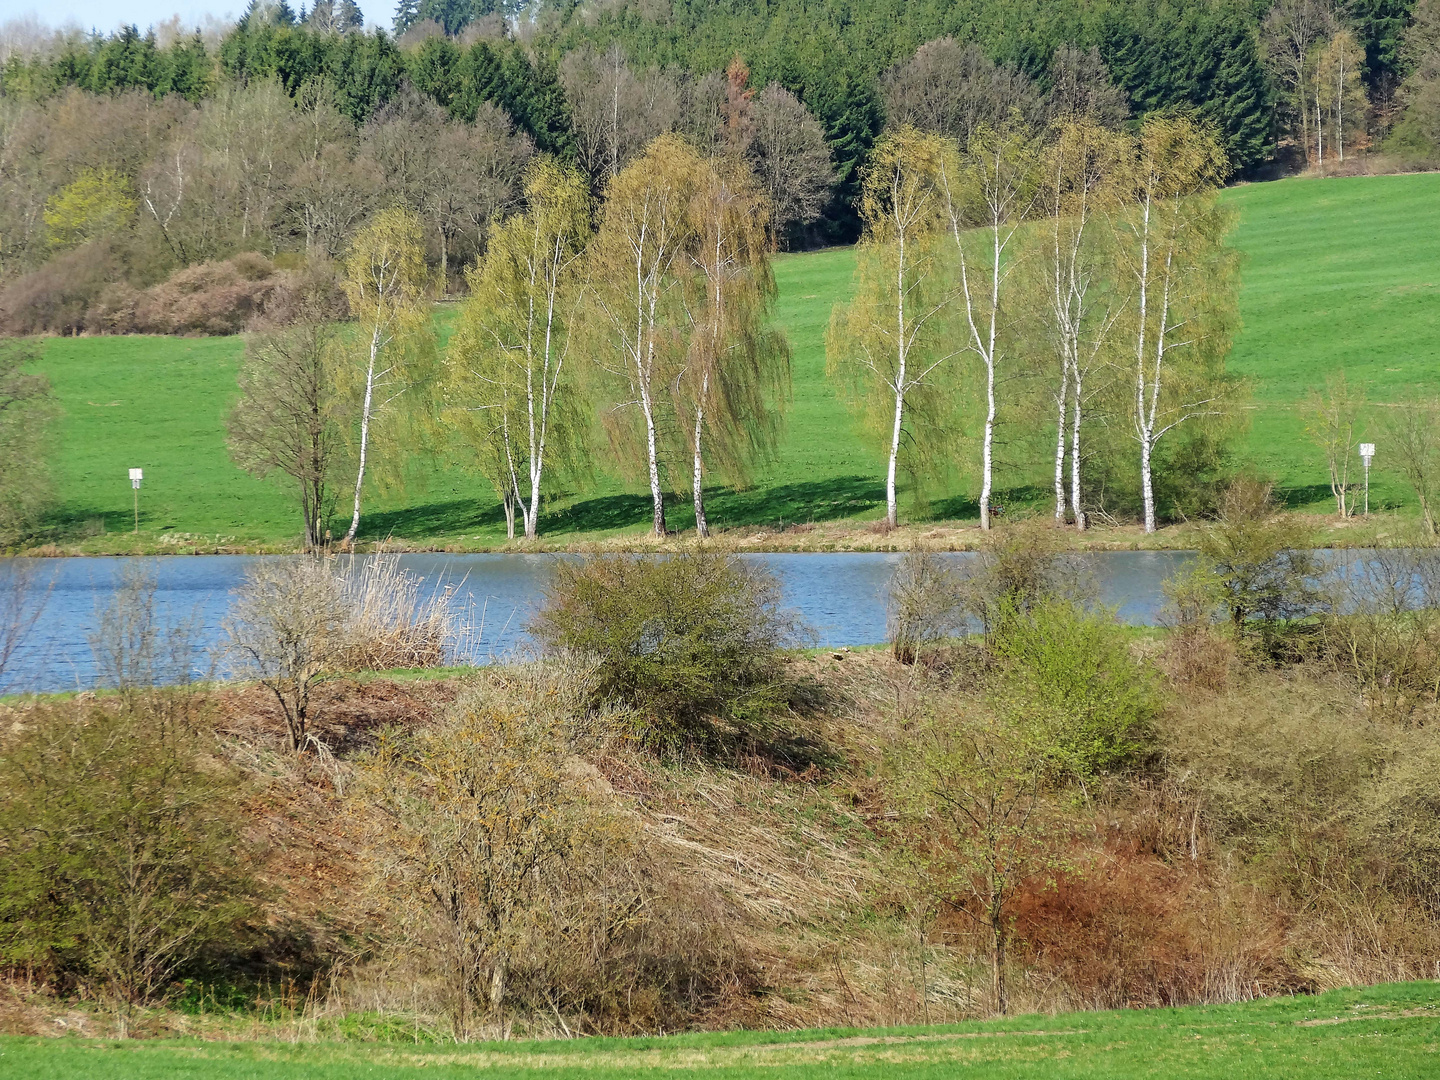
431	519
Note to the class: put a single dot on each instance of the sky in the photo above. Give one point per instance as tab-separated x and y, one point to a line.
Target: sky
106	15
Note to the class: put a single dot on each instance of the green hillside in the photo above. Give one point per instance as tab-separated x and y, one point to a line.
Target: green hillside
1339	273
1383	1031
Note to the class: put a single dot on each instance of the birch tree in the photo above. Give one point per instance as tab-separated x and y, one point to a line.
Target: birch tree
888	345
1288	37
989	194
737	368
637	276
1334	426
1081	306
385	282
1182	284
508	378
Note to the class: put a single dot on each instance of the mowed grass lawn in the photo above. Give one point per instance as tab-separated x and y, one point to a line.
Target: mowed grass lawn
1338	274
1390	1032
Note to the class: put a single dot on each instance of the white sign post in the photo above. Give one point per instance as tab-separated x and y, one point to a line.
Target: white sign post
136	475
1367	455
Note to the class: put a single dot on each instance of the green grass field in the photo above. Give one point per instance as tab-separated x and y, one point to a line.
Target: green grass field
1339	273
1390	1031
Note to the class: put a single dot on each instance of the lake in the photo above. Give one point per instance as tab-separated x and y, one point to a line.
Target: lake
841	596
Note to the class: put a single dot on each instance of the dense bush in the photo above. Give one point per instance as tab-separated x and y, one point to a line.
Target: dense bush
1068	677
682	639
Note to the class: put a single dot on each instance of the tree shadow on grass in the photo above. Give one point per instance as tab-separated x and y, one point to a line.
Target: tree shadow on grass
432	519
1303	495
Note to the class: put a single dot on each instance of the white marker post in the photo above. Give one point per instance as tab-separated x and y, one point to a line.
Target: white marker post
1367	454
136	475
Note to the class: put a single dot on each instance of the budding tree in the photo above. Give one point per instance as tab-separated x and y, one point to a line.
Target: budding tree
1182	284
385	281
1080	306
990	192
888	344
638	268
508	388
737	368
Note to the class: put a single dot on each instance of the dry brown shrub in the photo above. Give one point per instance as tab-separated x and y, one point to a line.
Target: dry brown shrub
217	297
56	298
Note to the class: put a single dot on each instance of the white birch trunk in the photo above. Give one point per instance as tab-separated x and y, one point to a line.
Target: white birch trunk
702	528
375	345
1075	499
1061	404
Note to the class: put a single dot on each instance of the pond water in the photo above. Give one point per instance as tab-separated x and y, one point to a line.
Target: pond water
841	596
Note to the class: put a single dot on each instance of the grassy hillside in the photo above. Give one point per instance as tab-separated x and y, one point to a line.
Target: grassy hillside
1384	1031
1339	273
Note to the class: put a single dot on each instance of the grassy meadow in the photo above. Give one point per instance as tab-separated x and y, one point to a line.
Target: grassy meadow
1338	274
1388	1031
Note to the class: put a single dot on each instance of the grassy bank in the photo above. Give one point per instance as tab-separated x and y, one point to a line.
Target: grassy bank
1385	1031
1339	273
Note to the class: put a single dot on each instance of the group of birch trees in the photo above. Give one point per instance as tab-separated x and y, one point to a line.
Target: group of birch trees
640	325
1074	279
651	314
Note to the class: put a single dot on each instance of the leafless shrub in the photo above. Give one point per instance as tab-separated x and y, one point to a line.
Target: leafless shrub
121	858
1385	632
287	631
1194	654
925	603
299	621
1019	566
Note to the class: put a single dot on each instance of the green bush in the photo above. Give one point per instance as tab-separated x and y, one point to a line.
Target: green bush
682	639
1067	676
121	858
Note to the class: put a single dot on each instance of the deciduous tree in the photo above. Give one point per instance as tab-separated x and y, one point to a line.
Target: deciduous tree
385	281
1182	284
509	382
889	344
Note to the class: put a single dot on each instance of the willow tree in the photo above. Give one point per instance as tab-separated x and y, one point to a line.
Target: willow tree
507	385
1079	305
637	274
737	369
990	192
1183	284
385	281
888	344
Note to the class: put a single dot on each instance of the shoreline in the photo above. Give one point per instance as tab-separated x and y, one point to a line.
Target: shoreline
1325	532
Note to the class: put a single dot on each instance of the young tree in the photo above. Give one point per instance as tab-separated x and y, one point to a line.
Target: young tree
507	386
1182	283
385	281
27	405
637	284
888	343
1081	305
737	369
1413	438
975	784
990	192
285	420
1333	423
1081	90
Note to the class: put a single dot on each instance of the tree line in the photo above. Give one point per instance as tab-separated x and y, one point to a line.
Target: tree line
1010	276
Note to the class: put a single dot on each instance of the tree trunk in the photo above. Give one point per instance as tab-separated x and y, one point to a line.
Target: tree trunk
509	503
702	529
657	497
892	516
1061	402
364	433
1075	499
1147	486
997	962
987	451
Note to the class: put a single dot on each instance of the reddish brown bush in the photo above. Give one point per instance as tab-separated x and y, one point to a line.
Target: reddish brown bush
56	298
